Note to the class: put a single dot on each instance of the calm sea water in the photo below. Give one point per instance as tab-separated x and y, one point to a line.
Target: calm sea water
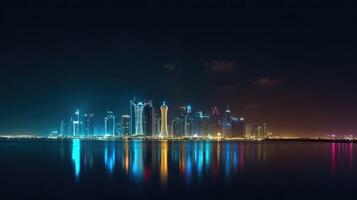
75	169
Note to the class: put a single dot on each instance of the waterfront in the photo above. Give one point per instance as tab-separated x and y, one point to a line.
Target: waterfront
72	169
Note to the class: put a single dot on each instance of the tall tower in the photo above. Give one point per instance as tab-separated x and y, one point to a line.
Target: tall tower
75	122
139	130
125	120
227	124
63	128
164	130
215	121
91	124
132	121
177	128
109	124
148	118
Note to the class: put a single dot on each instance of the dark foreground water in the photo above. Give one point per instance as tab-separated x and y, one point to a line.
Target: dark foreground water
75	169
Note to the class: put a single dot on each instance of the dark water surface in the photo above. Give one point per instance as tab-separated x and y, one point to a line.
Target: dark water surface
77	169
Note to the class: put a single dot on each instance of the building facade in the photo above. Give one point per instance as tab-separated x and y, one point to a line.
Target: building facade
164	129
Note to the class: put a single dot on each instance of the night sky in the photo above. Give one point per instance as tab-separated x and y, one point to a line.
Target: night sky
291	64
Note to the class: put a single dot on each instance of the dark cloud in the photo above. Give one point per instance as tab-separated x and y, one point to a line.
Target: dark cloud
171	66
266	82
220	66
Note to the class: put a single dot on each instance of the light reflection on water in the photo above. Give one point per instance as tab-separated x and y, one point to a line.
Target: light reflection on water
78	169
76	156
141	161
341	156
109	157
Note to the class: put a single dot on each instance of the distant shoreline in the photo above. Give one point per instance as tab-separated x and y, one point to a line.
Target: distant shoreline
184	139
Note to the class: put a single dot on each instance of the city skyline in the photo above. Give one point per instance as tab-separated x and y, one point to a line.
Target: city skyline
178	99
143	120
290	66
90	115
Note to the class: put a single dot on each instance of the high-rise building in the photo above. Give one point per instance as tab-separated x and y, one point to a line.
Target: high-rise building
177	128
241	128
259	132
118	130
132	124
148	119
227	124
265	130
237	127
109	124
187	118
248	130
76	124
62	128
164	130
125	120
139	129
88	124
70	126
157	124
182	116
201	124
215	122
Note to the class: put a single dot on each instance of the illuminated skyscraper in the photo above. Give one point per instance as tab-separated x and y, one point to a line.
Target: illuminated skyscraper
148	119
248	130
139	118
125	119
227	124
118	130
177	128
164	130
157	125
215	122
88	124
182	116
187	118
76	124
201	124
238	127
109	124
132	123
259	132
63	128
70	127
265	130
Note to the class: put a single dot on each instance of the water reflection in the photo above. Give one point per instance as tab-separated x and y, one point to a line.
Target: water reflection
76	156
136	160
142	161
163	162
341	156
109	157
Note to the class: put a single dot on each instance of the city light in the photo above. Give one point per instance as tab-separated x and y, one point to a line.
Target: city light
144	123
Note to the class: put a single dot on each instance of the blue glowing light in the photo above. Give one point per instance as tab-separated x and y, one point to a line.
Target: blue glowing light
235	157
76	156
109	159
227	162
200	160
207	154
137	164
